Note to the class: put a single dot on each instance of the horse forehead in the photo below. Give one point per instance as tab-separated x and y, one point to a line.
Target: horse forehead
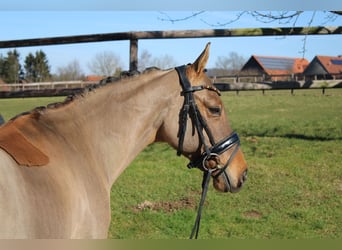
199	79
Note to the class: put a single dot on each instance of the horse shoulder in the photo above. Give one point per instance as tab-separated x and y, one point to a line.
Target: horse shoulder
14	202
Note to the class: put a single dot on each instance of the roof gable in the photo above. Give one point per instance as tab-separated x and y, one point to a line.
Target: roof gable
332	64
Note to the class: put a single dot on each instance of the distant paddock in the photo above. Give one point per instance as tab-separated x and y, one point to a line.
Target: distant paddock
49	89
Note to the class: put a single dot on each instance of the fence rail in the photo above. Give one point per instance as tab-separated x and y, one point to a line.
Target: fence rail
224	79
171	34
71	91
43	85
133	37
49	89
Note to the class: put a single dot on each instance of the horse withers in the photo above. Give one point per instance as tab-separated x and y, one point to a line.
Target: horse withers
58	163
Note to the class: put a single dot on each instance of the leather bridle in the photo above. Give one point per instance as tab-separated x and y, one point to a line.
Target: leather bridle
212	152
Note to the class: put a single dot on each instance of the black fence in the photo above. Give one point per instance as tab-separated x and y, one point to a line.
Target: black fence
134	37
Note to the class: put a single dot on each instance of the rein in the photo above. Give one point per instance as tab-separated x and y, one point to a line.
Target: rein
214	151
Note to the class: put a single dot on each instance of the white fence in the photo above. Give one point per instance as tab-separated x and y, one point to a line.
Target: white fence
13	87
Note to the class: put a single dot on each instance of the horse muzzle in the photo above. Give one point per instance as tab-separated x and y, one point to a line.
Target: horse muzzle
225	183
233	175
230	175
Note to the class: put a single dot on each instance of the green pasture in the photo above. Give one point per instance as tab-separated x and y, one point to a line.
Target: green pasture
293	145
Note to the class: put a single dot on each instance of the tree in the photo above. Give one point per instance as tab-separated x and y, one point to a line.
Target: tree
105	63
37	67
30	73
10	68
72	71
144	60
2	67
14	68
282	17
230	64
41	67
163	62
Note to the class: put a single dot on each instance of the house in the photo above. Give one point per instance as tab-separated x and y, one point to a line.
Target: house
324	67
274	68
93	78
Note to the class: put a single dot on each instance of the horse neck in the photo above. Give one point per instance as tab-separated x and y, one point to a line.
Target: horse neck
118	121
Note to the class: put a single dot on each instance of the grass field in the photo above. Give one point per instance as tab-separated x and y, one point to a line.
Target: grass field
293	144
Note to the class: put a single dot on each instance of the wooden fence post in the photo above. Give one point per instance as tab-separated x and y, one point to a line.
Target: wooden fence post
133	55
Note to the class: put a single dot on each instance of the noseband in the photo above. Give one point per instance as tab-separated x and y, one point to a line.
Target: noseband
210	152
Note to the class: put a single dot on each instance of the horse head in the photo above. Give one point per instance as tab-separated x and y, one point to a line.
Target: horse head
203	133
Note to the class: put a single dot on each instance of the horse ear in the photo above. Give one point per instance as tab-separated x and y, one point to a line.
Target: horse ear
201	61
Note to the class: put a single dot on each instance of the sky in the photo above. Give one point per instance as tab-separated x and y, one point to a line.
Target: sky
38	21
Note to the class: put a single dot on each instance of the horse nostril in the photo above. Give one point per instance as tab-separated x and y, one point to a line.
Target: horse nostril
244	176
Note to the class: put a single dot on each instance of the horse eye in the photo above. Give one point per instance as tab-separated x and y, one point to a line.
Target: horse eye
215	111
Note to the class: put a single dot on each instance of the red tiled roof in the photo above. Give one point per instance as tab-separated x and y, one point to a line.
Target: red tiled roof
300	65
93	78
330	65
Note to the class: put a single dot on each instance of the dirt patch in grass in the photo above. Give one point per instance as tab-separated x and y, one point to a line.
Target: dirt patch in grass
252	214
339	187
166	206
